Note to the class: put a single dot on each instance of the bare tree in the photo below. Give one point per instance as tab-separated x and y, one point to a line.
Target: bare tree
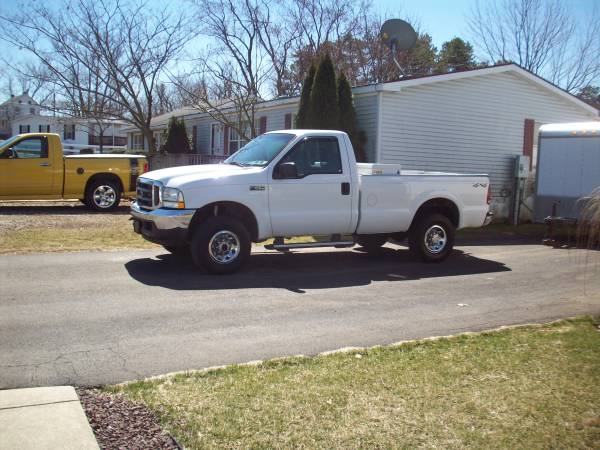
102	53
231	73
542	36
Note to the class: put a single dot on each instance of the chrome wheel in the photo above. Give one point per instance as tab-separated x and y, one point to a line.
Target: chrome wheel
224	247
104	196
435	239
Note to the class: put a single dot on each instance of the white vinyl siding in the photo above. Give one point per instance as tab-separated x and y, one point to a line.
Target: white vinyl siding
469	125
276	117
366	118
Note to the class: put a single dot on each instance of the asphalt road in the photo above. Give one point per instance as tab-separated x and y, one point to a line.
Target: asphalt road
94	318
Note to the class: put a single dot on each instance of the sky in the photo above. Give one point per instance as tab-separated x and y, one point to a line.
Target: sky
446	19
442	19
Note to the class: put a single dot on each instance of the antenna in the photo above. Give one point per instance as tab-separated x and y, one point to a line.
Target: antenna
398	35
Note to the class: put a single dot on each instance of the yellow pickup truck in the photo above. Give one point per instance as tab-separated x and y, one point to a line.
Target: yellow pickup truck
33	167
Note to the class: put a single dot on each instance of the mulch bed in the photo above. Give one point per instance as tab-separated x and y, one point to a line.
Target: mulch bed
119	423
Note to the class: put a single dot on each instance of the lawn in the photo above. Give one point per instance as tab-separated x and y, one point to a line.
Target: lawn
31	227
525	387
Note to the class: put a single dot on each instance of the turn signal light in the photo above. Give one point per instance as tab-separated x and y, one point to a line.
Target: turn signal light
489	194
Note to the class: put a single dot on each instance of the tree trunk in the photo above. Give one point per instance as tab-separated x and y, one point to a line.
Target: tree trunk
149	137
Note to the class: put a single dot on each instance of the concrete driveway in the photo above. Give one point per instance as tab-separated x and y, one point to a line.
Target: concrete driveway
107	317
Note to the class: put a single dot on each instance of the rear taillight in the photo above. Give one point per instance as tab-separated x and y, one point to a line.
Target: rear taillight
145	167
489	194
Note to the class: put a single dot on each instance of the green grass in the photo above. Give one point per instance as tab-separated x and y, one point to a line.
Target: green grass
34	240
526	387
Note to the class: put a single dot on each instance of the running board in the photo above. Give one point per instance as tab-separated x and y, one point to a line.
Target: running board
284	247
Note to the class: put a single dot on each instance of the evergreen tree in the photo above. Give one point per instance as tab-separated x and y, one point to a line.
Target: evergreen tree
324	111
348	116
176	139
455	55
304	107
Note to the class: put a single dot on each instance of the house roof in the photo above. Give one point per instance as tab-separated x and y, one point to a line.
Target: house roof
398	85
186	111
24	97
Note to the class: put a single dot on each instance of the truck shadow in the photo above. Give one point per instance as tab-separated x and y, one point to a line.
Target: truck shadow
307	270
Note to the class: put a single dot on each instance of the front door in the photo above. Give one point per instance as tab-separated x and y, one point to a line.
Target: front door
26	170
316	199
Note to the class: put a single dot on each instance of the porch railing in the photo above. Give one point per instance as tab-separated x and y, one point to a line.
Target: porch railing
163	161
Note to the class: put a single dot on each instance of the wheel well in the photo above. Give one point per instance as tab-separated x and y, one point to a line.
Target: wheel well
104	176
438	206
231	209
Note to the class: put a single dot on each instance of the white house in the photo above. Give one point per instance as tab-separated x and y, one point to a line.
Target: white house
73	131
14	108
474	121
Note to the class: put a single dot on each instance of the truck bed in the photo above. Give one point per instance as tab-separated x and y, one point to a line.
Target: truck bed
390	196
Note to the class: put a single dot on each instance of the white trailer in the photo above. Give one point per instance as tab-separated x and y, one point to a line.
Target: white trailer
568	169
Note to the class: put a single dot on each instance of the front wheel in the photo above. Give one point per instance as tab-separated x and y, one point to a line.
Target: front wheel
102	195
432	238
221	245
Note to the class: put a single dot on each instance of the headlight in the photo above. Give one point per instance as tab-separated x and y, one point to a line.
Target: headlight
172	198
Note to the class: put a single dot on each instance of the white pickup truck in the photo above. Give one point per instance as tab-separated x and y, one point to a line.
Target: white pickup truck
303	182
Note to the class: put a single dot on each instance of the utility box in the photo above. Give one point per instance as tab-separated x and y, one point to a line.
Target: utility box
379	169
522	166
568	169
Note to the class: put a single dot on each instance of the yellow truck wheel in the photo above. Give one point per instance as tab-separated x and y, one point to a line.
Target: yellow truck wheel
102	195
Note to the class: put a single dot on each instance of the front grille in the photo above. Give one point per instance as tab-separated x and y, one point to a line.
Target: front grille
148	194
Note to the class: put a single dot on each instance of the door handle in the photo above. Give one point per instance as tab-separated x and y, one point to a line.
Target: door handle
345	188
45	164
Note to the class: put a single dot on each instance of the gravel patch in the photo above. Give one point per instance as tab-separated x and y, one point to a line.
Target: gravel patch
119	423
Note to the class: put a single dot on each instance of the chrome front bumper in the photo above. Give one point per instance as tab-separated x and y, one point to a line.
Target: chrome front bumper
488	218
164	219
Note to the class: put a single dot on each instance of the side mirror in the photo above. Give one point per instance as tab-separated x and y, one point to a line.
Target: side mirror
285	171
9	154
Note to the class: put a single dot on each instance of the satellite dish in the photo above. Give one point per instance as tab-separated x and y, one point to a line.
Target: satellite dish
398	35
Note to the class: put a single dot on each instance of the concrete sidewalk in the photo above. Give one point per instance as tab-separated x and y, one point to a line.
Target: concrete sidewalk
44	418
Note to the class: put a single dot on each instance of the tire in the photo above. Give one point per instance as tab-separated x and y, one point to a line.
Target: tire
228	232
178	251
432	238
102	195
372	243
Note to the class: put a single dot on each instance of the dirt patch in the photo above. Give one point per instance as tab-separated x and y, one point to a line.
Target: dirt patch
16	216
119	423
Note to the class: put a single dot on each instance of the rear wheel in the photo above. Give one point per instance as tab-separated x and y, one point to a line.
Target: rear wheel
432	238
102	195
371	242
221	245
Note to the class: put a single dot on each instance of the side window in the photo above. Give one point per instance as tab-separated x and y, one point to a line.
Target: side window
315	156
31	148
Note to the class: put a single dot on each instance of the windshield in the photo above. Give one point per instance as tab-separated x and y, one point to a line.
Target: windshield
261	150
9	141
